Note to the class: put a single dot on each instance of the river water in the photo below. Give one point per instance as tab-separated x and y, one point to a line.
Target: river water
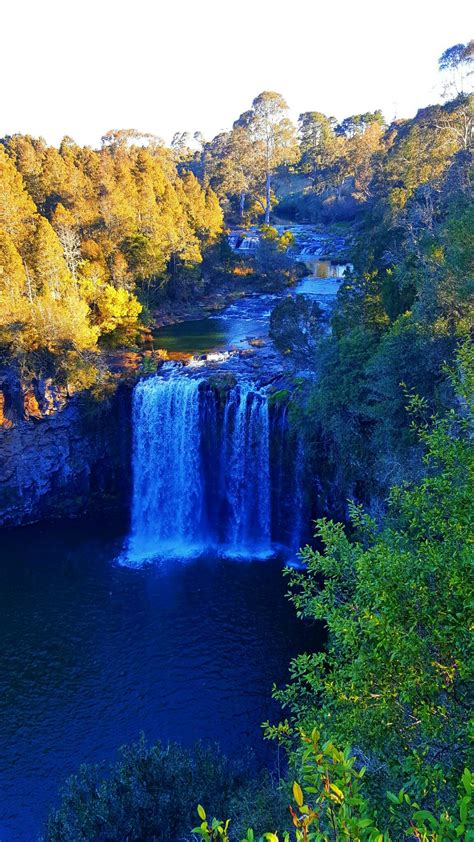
94	650
246	319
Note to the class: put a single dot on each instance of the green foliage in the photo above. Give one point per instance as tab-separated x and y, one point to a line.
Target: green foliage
295	324
149	793
216	830
431	827
393	682
399	318
330	804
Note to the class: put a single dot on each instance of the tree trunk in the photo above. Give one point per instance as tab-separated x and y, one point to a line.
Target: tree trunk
268	185
241	206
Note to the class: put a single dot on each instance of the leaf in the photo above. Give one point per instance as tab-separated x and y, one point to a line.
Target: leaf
298	794
425	815
337	791
364	823
463	807
201	812
466	780
393	798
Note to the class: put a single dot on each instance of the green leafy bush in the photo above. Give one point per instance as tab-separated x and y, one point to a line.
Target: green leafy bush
330	805
149	794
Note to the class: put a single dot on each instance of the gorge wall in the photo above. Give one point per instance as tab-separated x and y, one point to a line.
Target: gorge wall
61	456
211	459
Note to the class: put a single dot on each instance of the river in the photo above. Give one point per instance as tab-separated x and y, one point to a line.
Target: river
100	640
93	652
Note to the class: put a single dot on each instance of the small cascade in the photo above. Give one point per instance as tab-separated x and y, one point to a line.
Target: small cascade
210	469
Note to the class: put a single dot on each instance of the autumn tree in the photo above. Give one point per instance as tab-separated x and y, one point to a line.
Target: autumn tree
12	271
231	166
65	226
16	207
273	138
319	145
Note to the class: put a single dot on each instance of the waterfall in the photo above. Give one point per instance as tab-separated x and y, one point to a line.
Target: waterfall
167	468
298	498
201	470
246	469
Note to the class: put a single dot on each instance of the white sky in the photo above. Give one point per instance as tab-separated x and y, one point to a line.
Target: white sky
82	67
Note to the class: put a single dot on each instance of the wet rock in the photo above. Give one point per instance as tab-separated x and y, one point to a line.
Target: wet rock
295	324
64	462
5	422
222	381
31	405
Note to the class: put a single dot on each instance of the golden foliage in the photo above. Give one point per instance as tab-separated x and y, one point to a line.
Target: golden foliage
80	230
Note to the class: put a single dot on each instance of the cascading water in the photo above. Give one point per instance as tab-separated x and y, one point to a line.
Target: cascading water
201	470
298	498
246	469
167	468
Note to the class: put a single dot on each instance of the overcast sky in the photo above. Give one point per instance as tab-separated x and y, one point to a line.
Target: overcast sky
82	67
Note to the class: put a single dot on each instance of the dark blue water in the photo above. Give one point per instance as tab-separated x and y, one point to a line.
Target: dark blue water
91	653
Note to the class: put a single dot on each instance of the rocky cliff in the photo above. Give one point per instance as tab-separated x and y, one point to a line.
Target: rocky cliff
61	455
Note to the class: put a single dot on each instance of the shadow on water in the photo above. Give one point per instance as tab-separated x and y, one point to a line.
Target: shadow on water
209	334
93	652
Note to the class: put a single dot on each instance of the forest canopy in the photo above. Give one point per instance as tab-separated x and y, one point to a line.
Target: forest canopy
91	239
85	234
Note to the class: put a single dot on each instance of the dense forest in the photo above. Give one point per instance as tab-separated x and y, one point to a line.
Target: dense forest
83	233
374	739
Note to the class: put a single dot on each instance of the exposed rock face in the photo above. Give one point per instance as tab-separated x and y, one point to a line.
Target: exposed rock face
295	324
61	456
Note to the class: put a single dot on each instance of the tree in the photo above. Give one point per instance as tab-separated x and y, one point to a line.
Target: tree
361	150
457	61
47	262
203	209
117	314
319	146
149	793
17	209
12	271
120	139
273	138
393	682
231	166
331	805
64	224
181	146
